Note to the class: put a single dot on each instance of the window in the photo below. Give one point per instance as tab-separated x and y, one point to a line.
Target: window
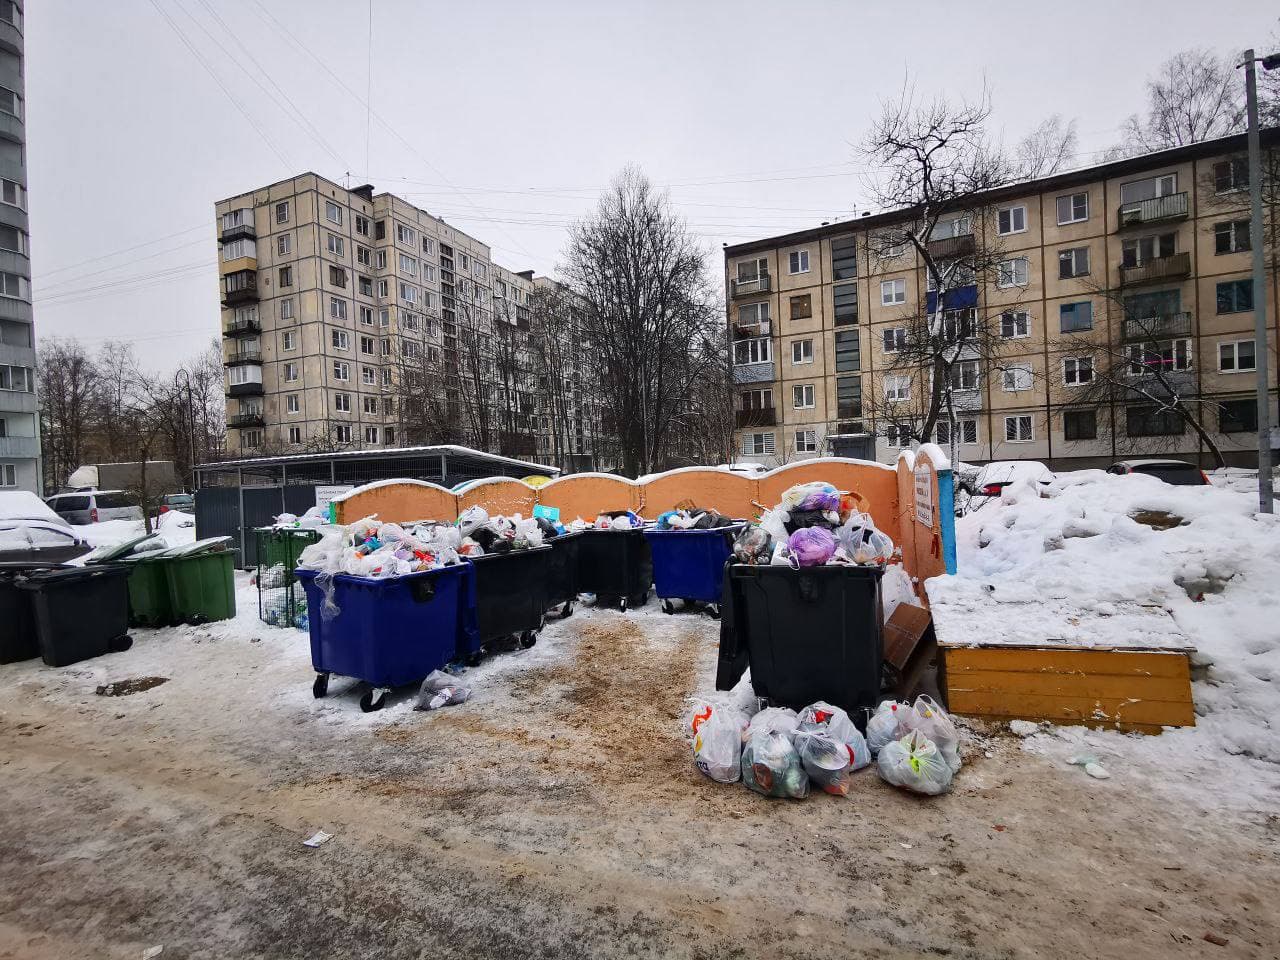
405	234
11	238
893	291
755	350
959	325
341	370
1075	317
798	261
337	276
383	288
286	276
1012	273
367	346
757	444
1073	208
966	431
385	347
1011	220
380	230
1142	250
757	399
1073	263
889	246
463	261
333	212
337	246
895	339
1148	420
362	225
250	438
1015	377
427	244
380	259
1135	191
898	435
284	243
337	309
340	339
13	285
286	308
802	396
364	256
844	258
801	307
964	375
952	227
388	435
408	265
342	402
1014	324
367	376
289	340
365	285
848	397
1236	356
282	211
386	382
1164	356
370	434
801	351
295	435
848	351
1231	175
408	293
1077	371
23	379
230	251
13	193
1235	296
384	318
845	301
806	441
751	314
429	273
291	404
290	373
749	271
1231	236
897	388
1019	429
1080	425
370	405
1238	416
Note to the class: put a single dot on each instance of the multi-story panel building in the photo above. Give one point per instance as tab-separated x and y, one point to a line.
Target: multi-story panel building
19	428
358	320
1149	255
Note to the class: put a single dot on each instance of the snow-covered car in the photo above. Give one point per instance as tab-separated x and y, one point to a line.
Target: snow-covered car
1177	472
998	474
95	506
32	533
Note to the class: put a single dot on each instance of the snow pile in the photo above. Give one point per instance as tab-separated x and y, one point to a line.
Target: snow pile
1131	561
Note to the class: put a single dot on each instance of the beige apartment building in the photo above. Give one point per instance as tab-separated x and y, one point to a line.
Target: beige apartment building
342	310
1148	254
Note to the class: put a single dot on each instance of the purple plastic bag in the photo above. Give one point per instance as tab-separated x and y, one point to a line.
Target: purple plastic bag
811	546
820	500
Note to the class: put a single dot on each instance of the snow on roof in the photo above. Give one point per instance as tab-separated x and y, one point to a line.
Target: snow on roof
25	505
378	454
375	484
936	456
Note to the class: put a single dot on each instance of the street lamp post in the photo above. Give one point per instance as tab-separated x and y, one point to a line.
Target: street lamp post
191	419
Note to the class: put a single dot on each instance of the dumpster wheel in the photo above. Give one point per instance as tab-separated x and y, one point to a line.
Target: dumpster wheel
528	638
567	609
668	607
321	685
120	644
374	699
713	611
622	605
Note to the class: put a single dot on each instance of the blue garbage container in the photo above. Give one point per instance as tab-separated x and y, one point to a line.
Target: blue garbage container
688	565
392	631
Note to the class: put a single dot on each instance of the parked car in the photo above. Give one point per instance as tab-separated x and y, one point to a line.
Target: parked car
95	506
185	502
32	533
1178	472
995	476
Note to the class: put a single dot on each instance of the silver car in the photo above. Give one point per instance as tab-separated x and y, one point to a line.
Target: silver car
31	533
94	506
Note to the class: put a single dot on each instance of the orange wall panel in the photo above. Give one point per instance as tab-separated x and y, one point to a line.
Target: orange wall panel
586	495
499	495
400	502
876	486
729	493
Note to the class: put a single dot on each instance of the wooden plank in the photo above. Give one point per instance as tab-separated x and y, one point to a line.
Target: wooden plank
1146	663
1070	709
1104	686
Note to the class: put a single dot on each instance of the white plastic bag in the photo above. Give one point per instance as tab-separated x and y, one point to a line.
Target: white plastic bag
717	742
771	765
441	689
472	519
931	720
914	763
826	760
835	722
772	719
886	724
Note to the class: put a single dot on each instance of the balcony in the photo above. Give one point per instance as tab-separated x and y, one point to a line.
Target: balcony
745	288
19	448
753	372
746	331
240	287
251	388
758	417
1174	206
1160	384
242	420
946	248
1160	270
1160	327
241	231
238	357
242	326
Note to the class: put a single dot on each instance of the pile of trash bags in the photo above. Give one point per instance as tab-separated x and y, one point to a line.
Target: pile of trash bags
815	524
368	548
781	753
692	518
611	520
483	534
313	519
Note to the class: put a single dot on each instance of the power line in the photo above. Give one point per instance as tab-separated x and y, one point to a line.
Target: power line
151	256
106	256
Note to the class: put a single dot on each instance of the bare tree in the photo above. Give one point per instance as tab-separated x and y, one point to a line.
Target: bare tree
1046	150
1195	95
69	389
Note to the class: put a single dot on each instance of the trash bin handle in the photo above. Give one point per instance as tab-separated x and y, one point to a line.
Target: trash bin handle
422	590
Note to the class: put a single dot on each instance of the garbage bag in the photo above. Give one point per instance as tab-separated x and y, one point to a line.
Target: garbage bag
914	763
886	724
825	759
772	719
811	547
441	689
931	720
771	765
717	742
472	519
806	519
753	545
836	722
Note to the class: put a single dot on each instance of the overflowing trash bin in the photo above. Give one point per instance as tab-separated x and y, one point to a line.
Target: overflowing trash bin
688	565
562	572
510	597
388	631
615	565
79	612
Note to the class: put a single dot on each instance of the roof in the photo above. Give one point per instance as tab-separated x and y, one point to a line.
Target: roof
446	449
1058	181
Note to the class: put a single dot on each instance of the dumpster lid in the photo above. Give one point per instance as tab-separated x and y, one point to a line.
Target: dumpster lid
114	551
39	577
200	546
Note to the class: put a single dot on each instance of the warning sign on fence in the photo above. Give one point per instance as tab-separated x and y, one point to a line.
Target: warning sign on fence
924	495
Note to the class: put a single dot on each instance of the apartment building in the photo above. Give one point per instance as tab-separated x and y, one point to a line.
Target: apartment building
1146	258
355	320
19	411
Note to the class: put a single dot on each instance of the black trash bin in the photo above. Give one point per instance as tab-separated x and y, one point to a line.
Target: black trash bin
616	566
80	612
562	575
811	634
17	626
511	596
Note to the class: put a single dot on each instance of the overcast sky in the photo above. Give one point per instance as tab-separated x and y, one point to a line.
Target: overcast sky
508	118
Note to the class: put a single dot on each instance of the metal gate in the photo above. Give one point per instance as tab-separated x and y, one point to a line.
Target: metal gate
236	511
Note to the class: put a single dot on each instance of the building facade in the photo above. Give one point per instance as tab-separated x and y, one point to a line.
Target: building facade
1146	259
352	320
19	412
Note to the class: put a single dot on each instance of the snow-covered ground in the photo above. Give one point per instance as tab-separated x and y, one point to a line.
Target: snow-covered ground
1208	582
